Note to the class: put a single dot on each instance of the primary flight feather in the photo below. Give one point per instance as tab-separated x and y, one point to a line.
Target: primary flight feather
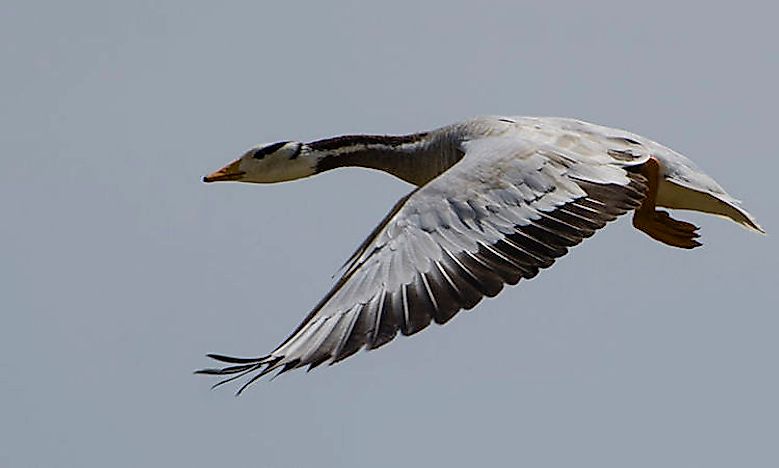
497	200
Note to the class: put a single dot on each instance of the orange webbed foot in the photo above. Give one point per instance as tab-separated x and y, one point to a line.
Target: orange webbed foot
659	225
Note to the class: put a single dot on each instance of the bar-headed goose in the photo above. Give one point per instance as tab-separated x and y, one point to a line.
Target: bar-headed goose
496	200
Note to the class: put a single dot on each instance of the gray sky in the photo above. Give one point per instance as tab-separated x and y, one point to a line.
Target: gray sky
120	269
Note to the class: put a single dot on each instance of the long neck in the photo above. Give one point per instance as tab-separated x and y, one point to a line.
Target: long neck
415	158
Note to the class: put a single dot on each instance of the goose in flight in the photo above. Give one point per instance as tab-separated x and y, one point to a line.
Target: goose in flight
496	200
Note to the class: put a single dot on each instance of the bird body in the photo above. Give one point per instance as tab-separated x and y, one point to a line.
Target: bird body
497	199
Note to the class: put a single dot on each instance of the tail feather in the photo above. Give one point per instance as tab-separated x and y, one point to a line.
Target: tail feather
676	195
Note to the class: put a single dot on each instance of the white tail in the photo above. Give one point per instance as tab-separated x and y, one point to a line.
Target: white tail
672	194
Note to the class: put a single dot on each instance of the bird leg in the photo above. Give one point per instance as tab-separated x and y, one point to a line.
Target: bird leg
658	224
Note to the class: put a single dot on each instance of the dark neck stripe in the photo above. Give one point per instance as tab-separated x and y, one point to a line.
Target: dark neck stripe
415	158
354	140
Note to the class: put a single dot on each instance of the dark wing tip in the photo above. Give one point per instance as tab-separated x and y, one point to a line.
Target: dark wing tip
235	360
261	365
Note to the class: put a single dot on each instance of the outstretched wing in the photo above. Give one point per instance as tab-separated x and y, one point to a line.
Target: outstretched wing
507	209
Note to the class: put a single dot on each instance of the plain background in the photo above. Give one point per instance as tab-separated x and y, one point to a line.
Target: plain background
119	269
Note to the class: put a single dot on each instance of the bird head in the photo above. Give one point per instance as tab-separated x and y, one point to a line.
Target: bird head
269	163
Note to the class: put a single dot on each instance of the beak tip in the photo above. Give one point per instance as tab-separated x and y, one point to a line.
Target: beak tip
230	172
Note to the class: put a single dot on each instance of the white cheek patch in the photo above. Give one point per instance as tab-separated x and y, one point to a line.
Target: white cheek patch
277	168
290	169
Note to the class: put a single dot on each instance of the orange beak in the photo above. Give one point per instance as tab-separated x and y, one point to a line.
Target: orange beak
231	171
